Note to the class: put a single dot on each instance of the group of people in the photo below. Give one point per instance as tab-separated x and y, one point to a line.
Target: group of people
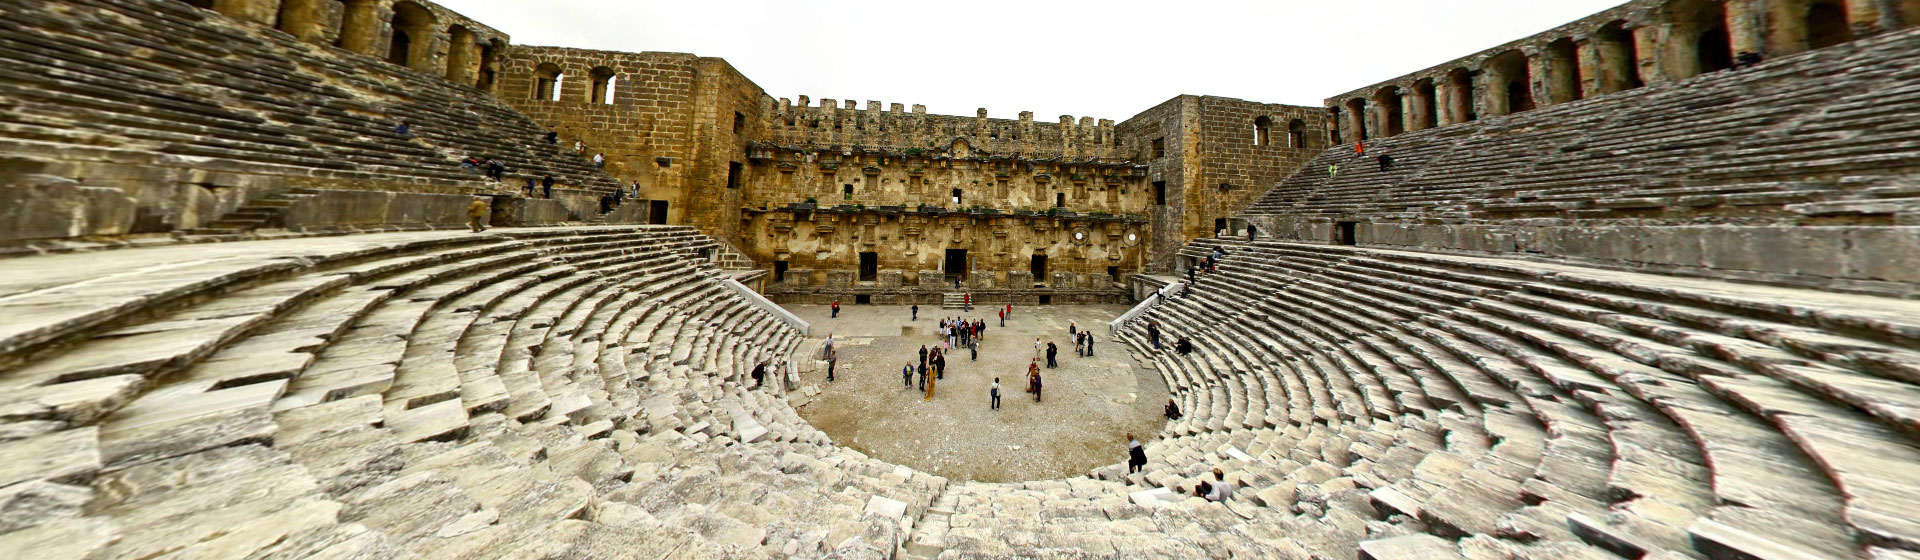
1360	151
1216	490
1208	265
759	373
1182	345
493	168
933	367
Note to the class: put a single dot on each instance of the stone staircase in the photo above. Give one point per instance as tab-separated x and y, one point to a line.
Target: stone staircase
953	300
259	213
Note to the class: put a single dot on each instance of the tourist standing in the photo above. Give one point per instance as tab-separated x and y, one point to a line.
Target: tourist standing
993	395
1249	232
906	375
1072	329
1136	455
836	309
832	360
477	214
759	375
1003	318
1386	162
600	161
529	187
1036	385
923	354
940	365
1089	343
546	186
405	129
966	302
975	349
1036	348
1153	334
1052	352
930	384
923	377
916	312
1033	375
553	137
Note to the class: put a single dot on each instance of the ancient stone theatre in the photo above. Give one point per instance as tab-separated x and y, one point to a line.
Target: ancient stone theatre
366	279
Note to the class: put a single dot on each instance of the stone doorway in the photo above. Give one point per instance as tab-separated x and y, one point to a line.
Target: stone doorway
657	212
955	265
1039	270
869	267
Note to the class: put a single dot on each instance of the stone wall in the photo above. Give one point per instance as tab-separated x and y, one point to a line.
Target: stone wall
665	123
332	209
1205	153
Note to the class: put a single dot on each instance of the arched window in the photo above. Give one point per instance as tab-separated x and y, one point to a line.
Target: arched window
359	24
489	64
1426	105
546	82
412	40
460	57
1827	24
1460	96
1619	58
1262	129
1392	116
1699	33
1356	120
1333	127
1297	134
1510	81
303	19
1563	71
602	85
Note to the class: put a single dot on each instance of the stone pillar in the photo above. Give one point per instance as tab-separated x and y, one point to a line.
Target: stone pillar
1492	85
1445	91
1540	79
1589	67
361	28
1356	122
1656	63
1747	26
1413	108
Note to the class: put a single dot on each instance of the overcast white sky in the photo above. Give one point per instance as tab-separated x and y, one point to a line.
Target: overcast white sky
1102	59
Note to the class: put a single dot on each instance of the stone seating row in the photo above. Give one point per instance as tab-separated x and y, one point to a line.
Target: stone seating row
1809	135
1631	419
278	106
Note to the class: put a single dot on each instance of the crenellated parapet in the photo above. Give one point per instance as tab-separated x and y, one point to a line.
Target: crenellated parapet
834	123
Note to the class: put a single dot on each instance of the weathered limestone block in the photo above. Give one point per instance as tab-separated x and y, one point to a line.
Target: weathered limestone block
891	278
335	208
799	277
931	279
840	279
534	211
44	206
1019	279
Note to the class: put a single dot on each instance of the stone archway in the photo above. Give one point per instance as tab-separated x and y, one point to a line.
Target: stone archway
1460	96
1619	62
410	43
359	24
1697	39
1509	83
1356	120
1563	72
546	82
1391	116
460	54
305	20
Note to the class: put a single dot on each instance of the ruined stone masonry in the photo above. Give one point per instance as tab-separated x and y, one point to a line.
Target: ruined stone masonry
1615	298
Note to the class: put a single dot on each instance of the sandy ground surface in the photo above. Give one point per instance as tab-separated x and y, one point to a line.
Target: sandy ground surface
1089	405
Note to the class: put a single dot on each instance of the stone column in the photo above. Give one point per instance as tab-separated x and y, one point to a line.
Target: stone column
1414	109
1491	103
1656	63
1747	25
1540	78
252	11
1445	91
1589	67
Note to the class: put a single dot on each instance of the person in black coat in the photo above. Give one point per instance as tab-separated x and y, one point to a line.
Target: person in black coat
1173	410
1051	352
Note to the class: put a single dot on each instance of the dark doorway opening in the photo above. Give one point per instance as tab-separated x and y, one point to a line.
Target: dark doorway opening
1827	25
1114	273
733	174
1346	233
657	214
956	264
862	299
1219	225
1039	269
779	271
1715	50
399	47
956	198
1046	300
1059	200
869	266
1160	193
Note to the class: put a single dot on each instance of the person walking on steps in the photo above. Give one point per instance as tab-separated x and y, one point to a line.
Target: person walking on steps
1333	170
1136	455
1153	334
477	214
553	137
1386	162
546	186
1249	233
405	129
599	161
993	395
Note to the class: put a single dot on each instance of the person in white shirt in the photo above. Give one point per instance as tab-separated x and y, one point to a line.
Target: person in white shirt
1222	490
